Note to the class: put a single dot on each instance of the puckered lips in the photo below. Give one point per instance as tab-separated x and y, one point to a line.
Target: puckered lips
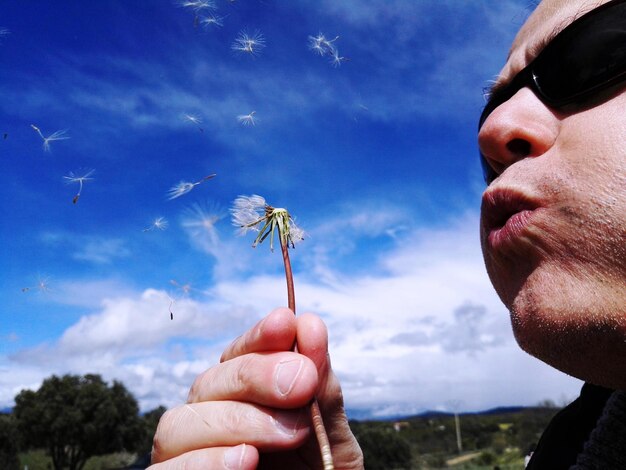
505	214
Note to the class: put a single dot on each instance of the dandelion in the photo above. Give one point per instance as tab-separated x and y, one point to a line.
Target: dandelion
194	120
80	179
252	213
160	223
184	187
58	135
247	119
249	44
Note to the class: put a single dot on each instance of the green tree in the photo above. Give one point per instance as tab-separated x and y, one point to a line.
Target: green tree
8	443
150	422
75	417
384	449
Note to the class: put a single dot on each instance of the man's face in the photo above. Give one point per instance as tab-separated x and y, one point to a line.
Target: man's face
553	224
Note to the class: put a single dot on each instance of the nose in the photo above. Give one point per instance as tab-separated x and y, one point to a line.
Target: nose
519	128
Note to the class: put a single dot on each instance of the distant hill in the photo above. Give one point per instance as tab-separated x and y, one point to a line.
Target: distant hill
374	415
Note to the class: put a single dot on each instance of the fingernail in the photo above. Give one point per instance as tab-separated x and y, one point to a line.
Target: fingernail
287	422
233	457
286	374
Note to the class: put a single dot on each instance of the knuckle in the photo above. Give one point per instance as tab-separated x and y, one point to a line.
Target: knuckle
196	386
161	437
244	421
240	380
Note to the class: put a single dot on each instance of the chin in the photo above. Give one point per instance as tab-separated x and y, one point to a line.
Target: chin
575	326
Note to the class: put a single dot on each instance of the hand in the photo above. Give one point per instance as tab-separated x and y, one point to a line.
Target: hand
252	409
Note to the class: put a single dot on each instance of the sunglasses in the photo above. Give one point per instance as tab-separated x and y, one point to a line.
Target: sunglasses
585	58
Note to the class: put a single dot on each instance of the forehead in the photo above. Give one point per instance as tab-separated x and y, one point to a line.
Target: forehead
550	17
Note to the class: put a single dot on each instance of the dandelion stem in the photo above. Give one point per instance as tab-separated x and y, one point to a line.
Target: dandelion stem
291	297
316	414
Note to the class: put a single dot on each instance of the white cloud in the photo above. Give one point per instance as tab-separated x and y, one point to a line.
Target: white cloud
422	328
89	248
101	251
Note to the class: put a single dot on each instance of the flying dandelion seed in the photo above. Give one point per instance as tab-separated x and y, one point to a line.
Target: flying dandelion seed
247	119
212	21
249	44
336	59
194	120
4	32
42	286
200	220
315	44
184	187
322	46
197	5
184	288
326	47
160	223
58	135
170	308
80	179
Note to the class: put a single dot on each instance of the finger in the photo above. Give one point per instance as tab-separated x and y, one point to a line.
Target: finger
312	339
282	379
276	332
216	424
241	457
313	342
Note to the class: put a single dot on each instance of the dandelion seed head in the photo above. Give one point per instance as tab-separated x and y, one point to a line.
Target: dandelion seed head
249	44
252	213
247	212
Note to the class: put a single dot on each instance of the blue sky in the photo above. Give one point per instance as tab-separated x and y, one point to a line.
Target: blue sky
374	156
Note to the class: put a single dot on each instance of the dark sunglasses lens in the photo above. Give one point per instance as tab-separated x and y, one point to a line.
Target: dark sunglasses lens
589	56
